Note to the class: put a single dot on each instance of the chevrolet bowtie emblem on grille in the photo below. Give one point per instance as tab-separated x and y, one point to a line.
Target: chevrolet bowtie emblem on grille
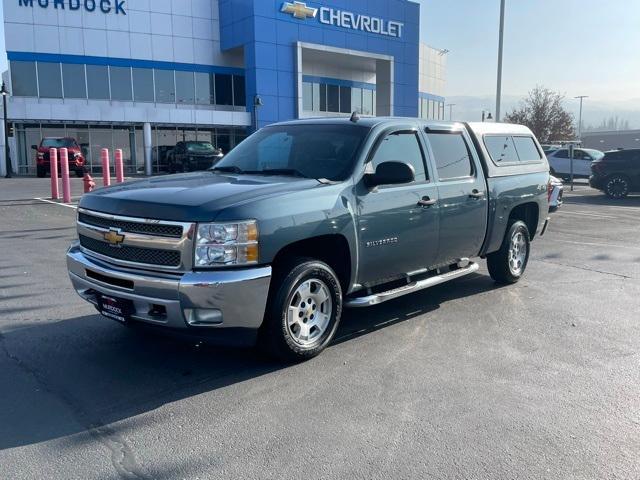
114	237
299	10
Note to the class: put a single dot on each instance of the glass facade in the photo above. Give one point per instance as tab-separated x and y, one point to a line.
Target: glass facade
431	109
93	138
333	98
101	82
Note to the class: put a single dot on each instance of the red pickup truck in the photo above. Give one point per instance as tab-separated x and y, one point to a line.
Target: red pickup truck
76	158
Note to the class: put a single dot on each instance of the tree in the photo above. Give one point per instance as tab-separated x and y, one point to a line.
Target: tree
542	111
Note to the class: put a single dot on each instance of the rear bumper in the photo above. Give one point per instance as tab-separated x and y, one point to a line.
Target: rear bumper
225	307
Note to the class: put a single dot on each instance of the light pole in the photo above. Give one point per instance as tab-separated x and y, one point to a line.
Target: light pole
451	105
257	103
486	115
581	97
7	156
500	47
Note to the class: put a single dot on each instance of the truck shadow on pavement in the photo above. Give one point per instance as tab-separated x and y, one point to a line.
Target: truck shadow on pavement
88	373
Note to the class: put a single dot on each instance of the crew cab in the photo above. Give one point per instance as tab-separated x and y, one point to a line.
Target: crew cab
43	163
307	217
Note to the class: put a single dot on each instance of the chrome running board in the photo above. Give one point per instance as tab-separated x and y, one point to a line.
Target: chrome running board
412	287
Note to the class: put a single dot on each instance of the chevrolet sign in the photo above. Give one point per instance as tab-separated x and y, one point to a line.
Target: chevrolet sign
345	19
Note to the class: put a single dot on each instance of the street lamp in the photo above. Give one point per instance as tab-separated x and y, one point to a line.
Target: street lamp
7	156
451	105
486	115
581	97
500	48
257	103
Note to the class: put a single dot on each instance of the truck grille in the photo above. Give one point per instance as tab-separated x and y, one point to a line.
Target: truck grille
147	256
157	229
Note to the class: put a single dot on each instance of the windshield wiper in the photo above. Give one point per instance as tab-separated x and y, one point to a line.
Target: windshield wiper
292	172
227	168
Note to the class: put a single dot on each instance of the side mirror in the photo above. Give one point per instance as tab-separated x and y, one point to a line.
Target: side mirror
34	147
391	173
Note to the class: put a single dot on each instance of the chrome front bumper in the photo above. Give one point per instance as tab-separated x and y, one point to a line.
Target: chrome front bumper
226	300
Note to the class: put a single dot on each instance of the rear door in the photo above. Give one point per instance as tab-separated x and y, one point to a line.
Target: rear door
462	193
398	224
559	162
582	163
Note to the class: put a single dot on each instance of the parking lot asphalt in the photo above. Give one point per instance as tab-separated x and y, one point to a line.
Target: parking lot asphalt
467	380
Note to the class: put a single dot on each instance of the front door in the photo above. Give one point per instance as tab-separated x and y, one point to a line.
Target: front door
398	225
463	195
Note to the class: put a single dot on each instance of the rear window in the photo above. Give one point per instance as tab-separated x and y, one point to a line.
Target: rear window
526	148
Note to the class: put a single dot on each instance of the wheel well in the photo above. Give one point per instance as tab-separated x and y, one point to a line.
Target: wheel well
529	213
330	249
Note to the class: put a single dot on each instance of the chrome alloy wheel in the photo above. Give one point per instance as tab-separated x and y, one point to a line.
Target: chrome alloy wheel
617	187
309	312
517	253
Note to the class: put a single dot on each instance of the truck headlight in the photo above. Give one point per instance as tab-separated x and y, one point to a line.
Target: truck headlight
220	244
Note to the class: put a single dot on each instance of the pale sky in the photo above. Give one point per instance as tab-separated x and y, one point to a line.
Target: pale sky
577	47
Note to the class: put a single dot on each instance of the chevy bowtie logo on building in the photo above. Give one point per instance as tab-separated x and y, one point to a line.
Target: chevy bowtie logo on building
299	10
344	19
114	237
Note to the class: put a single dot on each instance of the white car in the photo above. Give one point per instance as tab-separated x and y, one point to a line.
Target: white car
556	191
560	162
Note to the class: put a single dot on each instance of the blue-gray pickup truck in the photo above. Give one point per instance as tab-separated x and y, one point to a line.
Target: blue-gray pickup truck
307	217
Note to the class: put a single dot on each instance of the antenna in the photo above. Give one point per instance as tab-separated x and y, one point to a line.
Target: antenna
354	117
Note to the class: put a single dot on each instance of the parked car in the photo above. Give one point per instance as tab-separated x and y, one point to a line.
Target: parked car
305	218
556	192
582	157
618	173
192	157
43	163
160	155
550	148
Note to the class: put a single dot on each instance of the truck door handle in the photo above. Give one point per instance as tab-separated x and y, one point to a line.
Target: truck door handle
476	194
427	202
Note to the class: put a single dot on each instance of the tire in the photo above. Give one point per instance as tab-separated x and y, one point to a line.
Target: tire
295	329
507	265
41	172
617	187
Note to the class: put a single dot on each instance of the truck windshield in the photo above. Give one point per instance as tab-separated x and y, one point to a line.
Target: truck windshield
309	151
200	147
58	143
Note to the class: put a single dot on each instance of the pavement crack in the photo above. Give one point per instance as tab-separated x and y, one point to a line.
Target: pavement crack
122	457
594	270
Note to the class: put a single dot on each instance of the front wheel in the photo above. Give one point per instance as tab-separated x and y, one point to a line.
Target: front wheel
304	311
617	187
508	264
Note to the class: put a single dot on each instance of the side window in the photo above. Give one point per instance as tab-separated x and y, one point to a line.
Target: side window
452	156
527	149
582	155
501	148
561	154
401	147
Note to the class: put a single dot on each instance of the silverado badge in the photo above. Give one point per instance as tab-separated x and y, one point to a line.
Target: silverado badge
114	237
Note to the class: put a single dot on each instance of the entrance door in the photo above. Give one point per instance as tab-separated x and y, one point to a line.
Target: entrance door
463	196
398	229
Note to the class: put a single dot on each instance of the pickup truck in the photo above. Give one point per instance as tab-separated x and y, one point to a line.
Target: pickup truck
305	218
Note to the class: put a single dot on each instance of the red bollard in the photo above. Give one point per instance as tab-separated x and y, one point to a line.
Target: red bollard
119	166
53	166
89	183
106	172
66	183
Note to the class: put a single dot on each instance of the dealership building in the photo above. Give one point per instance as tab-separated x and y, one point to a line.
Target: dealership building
141	75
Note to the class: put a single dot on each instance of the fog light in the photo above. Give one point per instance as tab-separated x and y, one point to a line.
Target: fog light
203	317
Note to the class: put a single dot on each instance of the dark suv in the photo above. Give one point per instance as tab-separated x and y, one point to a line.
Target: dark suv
192	157
618	173
76	158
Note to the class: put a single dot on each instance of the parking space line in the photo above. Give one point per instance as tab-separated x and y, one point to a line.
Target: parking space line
56	203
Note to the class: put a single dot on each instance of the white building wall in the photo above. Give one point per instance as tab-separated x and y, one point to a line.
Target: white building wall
433	69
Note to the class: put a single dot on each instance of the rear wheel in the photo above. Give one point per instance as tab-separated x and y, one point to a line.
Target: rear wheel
304	311
617	186
508	264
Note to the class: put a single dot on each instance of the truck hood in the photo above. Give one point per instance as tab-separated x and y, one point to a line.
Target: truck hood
192	197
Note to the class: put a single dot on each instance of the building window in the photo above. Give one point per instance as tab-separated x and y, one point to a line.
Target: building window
165	87
98	82
121	84
224	89
75	83
23	79
185	88
345	100
50	80
143	85
367	102
307	96
333	98
204	89
239	91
